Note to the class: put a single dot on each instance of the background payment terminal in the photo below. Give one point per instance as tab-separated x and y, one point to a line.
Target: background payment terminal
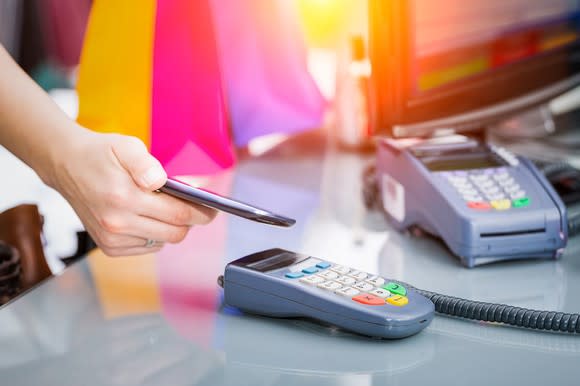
485	203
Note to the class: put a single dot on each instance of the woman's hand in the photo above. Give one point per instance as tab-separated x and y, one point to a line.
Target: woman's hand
110	181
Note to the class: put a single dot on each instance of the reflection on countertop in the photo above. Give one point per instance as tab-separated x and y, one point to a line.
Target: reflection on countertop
159	319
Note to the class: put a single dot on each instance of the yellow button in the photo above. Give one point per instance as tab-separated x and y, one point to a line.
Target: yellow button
397	300
501	204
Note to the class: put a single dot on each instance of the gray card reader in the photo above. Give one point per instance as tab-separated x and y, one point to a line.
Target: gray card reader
484	202
281	283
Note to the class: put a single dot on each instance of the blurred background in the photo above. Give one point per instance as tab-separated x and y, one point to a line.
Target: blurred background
325	43
46	36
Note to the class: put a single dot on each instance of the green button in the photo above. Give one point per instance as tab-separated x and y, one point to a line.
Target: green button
525	201
395	288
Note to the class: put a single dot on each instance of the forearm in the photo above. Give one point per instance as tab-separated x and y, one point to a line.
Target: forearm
31	125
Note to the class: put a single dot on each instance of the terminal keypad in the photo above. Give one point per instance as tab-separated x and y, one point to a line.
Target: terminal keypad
488	189
357	285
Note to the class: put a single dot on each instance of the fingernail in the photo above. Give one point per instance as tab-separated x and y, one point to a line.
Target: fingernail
154	176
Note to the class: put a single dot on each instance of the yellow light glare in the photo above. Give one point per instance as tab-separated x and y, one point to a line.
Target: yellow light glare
323	20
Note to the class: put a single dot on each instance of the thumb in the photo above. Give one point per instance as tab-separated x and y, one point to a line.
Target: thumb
134	157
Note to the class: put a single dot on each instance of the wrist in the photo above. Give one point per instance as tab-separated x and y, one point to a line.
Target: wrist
58	157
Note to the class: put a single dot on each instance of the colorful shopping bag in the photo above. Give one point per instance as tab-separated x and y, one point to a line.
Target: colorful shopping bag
263	58
150	69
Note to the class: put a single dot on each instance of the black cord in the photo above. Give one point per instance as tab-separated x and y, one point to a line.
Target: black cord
549	168
502	313
565	179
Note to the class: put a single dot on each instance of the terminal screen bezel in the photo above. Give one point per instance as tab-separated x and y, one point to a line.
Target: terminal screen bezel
477	157
393	102
467	162
270	260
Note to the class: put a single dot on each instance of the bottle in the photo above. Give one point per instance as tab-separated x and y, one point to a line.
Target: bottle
352	90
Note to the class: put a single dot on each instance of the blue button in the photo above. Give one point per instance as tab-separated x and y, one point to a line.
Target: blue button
323	265
294	275
310	270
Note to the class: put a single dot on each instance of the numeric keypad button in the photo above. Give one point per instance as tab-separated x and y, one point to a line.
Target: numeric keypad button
329	275
363	286
495	197
507	182
462	185
347	292
487	184
502	176
346	280
473	198
491	190
458	180
381	292
341	269
377	281
479	178
358	275
512	188
312	280
467	191
330	285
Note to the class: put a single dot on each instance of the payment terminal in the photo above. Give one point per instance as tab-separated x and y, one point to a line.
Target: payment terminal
485	203
285	284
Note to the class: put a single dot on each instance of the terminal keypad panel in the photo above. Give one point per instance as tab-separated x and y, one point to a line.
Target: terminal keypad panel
359	286
488	189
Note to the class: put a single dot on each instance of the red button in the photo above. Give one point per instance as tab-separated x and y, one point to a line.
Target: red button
369	299
479	205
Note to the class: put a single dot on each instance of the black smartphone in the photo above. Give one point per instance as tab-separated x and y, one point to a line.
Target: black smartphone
212	200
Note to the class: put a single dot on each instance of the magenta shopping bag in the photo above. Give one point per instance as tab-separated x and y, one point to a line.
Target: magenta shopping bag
189	128
150	69
263	60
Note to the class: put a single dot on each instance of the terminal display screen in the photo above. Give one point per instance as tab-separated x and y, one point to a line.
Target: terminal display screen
463	163
479	157
276	262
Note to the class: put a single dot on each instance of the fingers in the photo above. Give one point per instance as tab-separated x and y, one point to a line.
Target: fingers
113	244
139	227
132	237
110	186
159	231
124	228
145	169
109	241
174	211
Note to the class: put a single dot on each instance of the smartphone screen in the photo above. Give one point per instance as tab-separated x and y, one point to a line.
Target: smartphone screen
212	200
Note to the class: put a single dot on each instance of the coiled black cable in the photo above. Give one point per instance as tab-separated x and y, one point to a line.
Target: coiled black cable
502	313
